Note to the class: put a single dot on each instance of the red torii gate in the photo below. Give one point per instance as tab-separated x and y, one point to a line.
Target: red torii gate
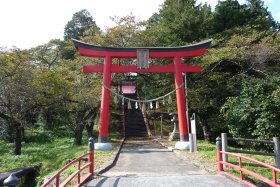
108	53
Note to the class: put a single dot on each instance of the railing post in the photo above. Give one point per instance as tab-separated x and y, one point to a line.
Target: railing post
240	166
225	146
277	151
91	155
79	174
57	182
274	177
219	154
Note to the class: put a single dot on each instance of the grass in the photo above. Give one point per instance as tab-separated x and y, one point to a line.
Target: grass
206	156
48	151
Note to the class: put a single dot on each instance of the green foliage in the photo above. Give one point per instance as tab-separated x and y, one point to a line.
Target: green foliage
180	22
76	27
252	113
48	151
259	17
229	14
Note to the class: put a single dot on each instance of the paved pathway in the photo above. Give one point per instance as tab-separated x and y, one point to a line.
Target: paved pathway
145	163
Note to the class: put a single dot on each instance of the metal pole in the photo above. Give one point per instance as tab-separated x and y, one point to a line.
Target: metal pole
154	126
161	126
277	151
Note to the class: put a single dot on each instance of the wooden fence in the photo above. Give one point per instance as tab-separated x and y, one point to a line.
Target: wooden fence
275	142
56	181
272	181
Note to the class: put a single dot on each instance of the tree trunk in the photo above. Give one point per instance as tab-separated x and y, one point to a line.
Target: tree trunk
89	128
18	136
206	133
79	127
49	120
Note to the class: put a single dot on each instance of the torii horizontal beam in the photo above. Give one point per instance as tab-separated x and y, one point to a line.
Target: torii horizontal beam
193	50
160	69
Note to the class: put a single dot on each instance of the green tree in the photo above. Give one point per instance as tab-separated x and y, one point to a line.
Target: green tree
180	22
253	113
18	96
65	94
76	27
259	17
229	14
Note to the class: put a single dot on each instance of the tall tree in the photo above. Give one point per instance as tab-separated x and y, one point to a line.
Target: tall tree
229	14
17	94
259	17
180	22
76	27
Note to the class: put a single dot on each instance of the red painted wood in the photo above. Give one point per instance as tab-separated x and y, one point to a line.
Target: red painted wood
126	54
272	182
240	165
91	161
152	69
79	174
180	97
57	180
105	100
219	157
56	176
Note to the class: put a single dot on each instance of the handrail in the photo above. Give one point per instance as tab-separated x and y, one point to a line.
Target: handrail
89	165
251	140
240	158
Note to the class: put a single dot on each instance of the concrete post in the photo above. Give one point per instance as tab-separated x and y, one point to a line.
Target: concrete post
224	146
192	142
277	151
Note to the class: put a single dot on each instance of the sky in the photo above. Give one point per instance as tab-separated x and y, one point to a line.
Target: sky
29	23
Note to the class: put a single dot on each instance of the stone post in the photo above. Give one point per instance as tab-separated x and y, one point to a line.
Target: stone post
277	151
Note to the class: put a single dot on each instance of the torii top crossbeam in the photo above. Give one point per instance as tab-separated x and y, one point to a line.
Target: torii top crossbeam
193	50
141	53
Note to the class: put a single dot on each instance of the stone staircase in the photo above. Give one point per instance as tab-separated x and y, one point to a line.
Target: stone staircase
134	120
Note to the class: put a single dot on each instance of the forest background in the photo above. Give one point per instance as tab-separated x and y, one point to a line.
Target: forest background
237	92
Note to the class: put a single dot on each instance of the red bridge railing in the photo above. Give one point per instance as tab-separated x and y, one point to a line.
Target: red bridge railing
272	182
80	163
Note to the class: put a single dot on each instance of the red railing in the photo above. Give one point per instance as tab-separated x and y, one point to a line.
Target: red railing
273	182
88	158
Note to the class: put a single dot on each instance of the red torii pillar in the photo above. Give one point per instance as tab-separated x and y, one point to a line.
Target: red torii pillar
107	68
